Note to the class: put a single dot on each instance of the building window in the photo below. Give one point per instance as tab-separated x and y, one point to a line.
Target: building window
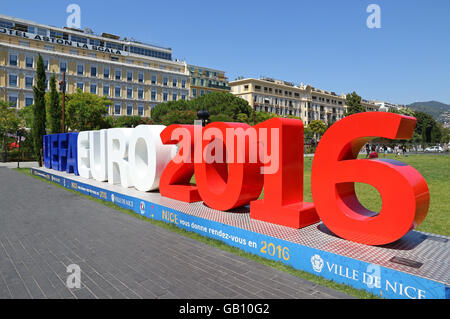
46	64
165	95
29	101
165	81
12	99
140	110
183	97
141	77
106	90
129	109
117	109
63	66
93	88
174	82
129	76
13	59
194	92
129	93
153	79
174	96
29	62
94	71
13	80
80	69
202	92
106	72
42	32
118	74
153	96
140	94
80	85
29	82
183	84
117	90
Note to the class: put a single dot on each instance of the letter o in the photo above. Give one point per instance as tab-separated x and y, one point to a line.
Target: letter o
148	156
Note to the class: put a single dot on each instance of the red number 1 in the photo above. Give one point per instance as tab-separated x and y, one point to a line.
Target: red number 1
283	190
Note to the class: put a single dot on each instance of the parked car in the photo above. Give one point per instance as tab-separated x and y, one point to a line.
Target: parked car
434	149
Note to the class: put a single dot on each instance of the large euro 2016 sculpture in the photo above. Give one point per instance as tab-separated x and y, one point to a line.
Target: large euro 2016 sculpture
233	162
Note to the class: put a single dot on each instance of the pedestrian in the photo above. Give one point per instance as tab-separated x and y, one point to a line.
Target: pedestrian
367	150
374	153
404	149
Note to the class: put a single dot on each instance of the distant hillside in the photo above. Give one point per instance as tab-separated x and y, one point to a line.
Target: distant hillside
440	111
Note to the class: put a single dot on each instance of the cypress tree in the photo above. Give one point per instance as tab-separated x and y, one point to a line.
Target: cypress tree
54	108
39	118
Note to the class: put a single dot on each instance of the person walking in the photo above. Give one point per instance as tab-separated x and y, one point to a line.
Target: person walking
367	150
374	153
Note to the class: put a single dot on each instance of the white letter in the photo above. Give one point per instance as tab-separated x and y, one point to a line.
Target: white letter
84	167
118	168
148	156
374	20
74	19
99	157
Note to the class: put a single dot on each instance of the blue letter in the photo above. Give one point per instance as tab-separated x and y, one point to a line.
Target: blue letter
54	141
47	152
63	150
72	154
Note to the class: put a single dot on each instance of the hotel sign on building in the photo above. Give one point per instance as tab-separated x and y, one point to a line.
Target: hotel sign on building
60	41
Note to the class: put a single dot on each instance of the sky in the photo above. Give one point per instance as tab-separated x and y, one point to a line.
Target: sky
324	43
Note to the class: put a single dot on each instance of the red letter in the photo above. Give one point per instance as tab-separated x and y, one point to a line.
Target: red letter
175	180
224	186
283	190
403	190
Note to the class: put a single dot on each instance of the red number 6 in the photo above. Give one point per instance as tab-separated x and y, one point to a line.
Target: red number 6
403	190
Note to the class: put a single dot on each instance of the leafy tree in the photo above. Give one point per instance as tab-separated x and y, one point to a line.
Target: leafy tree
9	122
353	102
404	111
222	103
39	112
317	127
86	111
221	118
263	116
424	126
159	111
179	117
129	121
54	108
242	118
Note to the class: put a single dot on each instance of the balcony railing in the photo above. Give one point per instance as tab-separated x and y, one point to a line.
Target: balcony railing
222	87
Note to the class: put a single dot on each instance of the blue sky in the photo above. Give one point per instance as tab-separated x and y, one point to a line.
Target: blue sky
323	43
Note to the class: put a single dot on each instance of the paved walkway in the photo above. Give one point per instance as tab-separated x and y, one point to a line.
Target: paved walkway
44	228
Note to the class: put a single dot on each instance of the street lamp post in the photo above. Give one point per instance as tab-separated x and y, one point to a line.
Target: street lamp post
19	134
63	90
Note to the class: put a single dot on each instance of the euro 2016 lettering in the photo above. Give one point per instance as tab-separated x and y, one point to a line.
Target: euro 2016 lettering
233	162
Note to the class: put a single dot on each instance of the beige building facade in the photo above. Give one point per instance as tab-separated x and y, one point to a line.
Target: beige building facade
204	80
285	98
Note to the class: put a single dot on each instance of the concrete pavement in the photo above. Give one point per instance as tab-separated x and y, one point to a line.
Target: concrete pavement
45	228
